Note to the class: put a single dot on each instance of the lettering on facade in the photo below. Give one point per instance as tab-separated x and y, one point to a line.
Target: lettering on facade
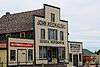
51	41
75	48
50	24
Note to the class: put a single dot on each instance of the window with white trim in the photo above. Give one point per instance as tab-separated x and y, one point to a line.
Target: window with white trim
30	54
12	55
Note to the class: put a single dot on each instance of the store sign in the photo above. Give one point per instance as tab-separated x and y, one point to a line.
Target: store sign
75	48
14	44
50	24
52	41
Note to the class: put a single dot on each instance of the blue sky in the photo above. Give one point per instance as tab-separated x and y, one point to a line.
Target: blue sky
83	17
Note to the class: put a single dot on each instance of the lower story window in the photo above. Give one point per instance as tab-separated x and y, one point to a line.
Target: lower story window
42	52
61	53
30	54
12	55
80	57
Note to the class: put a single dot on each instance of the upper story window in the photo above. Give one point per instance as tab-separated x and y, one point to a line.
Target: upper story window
52	17
8	35
52	34
29	34
2	36
15	35
61	35
22	34
42	33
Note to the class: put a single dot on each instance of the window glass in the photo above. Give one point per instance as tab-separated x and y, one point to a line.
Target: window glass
30	54
8	35
42	33
22	34
80	57
61	35
52	34
12	55
70	57
52	17
54	52
15	35
61	53
29	35
42	52
2	36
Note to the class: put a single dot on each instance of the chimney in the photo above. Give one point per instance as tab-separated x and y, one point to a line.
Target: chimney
7	13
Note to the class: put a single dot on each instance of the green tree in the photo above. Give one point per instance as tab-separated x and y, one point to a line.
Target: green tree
97	52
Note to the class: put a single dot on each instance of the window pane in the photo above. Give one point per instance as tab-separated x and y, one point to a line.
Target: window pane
22	34
70	57
55	35
29	35
61	53
80	57
8	35
52	17
40	52
61	35
30	54
42	33
52	34
44	52
54	52
12	55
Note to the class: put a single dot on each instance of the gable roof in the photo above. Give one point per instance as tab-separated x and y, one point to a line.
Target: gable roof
19	21
86	52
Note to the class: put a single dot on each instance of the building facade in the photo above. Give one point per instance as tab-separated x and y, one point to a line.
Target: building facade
38	36
20	51
75	53
51	37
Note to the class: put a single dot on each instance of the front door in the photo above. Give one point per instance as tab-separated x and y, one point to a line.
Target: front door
75	60
22	56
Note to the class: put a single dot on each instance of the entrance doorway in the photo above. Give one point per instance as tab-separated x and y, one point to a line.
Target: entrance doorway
52	54
75	60
21	56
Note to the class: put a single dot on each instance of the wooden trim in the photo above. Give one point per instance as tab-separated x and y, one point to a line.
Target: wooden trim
74	42
39	16
64	20
3	48
51	6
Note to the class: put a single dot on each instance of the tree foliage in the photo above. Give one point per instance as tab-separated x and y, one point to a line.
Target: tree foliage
97	52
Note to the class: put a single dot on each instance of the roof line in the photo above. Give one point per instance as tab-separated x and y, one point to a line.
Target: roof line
51	6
